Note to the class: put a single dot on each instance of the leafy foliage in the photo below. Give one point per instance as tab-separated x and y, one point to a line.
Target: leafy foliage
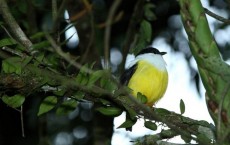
150	125
128	123
182	107
110	111
66	107
7	42
12	65
142	98
14	101
47	104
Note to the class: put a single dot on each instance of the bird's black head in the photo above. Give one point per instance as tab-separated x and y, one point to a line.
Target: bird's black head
151	50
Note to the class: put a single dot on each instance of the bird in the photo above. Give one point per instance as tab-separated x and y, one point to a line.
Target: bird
147	74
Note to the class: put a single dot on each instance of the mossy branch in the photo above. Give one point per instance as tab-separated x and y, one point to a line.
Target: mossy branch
213	70
33	78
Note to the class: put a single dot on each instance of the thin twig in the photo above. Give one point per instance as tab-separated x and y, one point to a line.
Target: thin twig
131	32
14	52
22	121
54	9
107	35
55	17
222	19
14	27
66	56
92	35
7	32
31	17
59	15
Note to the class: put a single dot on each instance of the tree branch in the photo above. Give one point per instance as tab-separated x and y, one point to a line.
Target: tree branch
57	13
28	83
54	9
14	27
108	31
220	111
64	55
14	52
132	30
151	139
210	64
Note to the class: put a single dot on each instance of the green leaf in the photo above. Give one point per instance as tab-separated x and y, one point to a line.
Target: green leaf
95	76
208	132
82	77
67	107
203	138
104	102
132	114
7	42
92	65
108	84
168	133
60	91
39	58
161	111
84	80
38	35
14	101
110	111
148	12
26	61
128	123
141	44
182	106
79	77
186	139
144	38
51	60
150	125
103	82
47	104
12	65
84	68
79	95
42	44
142	98
146	31
15	64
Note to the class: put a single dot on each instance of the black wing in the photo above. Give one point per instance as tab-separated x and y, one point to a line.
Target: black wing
126	76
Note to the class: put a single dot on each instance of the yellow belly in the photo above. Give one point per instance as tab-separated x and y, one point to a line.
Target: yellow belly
149	81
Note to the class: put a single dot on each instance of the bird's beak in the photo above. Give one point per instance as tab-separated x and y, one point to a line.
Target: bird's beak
163	53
